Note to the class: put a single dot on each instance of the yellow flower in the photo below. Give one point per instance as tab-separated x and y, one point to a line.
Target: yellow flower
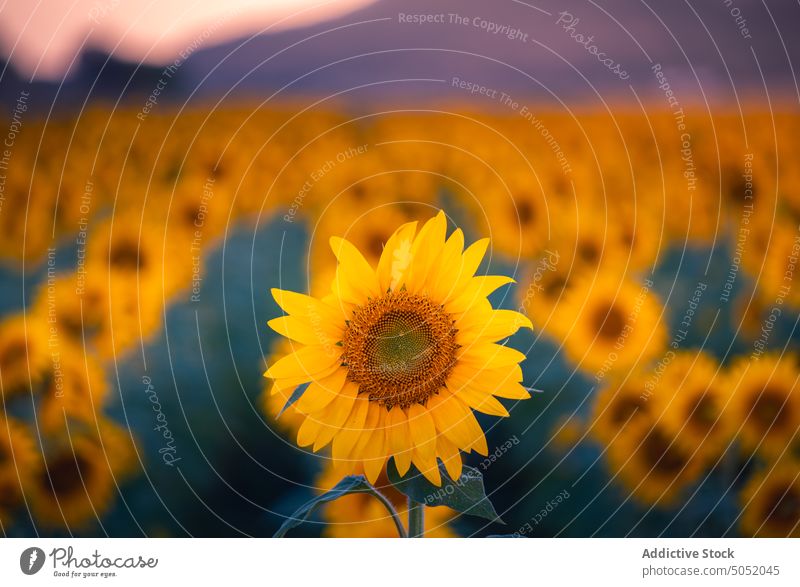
610	324
75	487
75	388
397	357
619	405
765	403
518	217
651	465
359	515
73	308
20	462
771	502
692	401
24	353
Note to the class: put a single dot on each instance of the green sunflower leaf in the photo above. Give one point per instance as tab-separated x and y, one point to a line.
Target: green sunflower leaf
350	484
466	495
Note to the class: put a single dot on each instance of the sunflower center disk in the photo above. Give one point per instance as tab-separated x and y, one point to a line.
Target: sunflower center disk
399	348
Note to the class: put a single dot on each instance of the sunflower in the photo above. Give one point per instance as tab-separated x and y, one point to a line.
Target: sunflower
24	353
19	463
619	405
75	486
397	357
651	465
610	324
771	503
11	499
19	455
72	306
75	388
359	515
765	403
692	402
518	217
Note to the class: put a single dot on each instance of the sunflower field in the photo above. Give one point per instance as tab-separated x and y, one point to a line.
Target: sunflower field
224	322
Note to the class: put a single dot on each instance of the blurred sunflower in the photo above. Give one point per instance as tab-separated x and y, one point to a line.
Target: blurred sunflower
765	403
397	357
692	403
359	515
75	388
75	486
610	324
771	502
74	308
24	353
19	455
518	217
20	462
651	465
619	405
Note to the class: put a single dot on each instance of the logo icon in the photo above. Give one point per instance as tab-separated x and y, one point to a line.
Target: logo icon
31	560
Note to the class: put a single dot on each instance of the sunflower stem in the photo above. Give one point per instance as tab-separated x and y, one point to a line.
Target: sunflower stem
395	515
416	519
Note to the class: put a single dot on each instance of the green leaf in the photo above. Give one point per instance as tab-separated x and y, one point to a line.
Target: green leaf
296	395
350	484
466	495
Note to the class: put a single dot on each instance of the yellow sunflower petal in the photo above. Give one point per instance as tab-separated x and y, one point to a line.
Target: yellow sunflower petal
303	332
481	401
304	364
451	418
396	255
426	462
500	382
424	252
399	440
445	277
335	415
423	430
327	318
451	457
489	355
348	436
355	277
322	392
474	291
375	451
492	326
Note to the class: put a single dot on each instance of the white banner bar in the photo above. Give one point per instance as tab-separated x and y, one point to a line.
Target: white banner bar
390	562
